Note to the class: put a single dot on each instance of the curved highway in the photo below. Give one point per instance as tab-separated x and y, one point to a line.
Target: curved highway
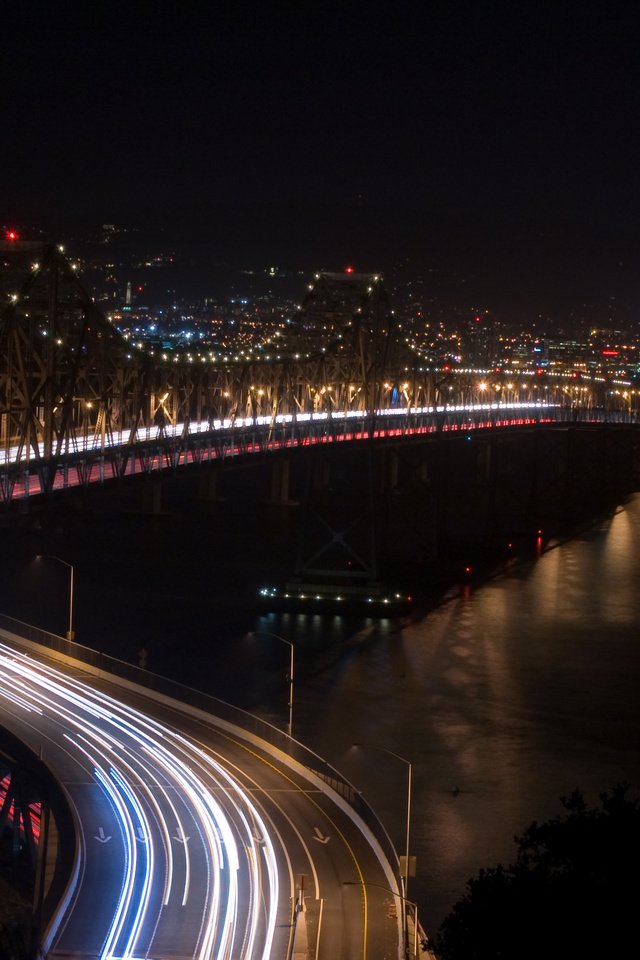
194	840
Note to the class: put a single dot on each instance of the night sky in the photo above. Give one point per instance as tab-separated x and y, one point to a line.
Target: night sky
466	128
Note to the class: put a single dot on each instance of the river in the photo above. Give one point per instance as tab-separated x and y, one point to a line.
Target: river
503	697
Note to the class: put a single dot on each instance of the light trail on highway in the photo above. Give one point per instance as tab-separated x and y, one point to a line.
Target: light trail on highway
187	874
85	458
390	417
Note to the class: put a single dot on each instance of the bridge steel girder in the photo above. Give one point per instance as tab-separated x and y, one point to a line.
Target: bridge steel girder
68	377
65	372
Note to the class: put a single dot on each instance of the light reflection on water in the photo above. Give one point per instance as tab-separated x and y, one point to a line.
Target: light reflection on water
513	694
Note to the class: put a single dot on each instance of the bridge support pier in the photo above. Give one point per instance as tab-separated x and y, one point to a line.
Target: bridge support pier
152	495
322	476
391	472
280	483
208	486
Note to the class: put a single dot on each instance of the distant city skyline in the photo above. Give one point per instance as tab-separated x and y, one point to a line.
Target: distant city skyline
498	145
562	277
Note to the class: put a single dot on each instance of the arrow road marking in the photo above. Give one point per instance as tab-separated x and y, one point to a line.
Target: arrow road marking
319	837
101	837
141	837
180	837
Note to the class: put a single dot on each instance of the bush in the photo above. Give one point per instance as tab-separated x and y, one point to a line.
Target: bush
571	893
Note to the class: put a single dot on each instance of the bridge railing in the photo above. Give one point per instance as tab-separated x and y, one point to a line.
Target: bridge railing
339	424
216	708
218	442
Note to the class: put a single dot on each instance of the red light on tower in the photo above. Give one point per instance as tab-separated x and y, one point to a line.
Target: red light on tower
349	270
11	234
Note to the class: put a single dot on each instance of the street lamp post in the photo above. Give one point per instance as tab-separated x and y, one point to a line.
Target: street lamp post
412	903
70	632
373	746
269	633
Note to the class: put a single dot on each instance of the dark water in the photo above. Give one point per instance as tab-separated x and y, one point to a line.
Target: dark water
513	693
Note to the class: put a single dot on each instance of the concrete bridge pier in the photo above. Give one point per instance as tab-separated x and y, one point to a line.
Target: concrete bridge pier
390	471
208	486
321	475
152	495
281	483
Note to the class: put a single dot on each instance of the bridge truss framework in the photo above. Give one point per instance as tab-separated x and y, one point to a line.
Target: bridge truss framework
79	403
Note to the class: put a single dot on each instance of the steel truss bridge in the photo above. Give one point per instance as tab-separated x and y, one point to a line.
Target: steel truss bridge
80	403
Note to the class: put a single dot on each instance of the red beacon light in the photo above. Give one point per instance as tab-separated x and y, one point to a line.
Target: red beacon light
349	270
11	235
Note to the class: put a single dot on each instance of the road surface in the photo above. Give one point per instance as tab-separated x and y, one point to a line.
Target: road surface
194	840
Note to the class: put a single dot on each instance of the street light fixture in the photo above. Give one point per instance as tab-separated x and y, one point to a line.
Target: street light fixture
373	746
70	632
269	633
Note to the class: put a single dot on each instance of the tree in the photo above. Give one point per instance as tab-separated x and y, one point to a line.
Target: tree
12	943
573	891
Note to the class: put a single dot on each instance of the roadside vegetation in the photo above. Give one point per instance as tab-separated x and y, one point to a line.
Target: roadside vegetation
572	891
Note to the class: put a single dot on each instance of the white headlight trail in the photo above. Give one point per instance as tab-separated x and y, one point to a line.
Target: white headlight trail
128	836
143	895
144	766
243	801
